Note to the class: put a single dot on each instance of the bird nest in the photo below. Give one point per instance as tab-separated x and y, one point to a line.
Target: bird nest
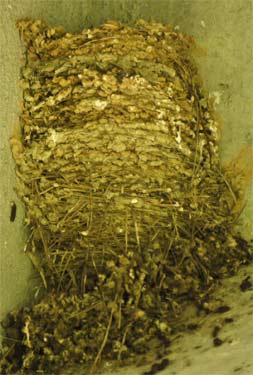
131	214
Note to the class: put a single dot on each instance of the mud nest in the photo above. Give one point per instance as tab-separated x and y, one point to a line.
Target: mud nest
131	214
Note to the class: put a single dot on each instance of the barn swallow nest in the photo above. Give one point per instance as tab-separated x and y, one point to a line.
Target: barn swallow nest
131	214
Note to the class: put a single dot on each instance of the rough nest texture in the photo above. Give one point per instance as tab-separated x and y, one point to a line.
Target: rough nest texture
130	212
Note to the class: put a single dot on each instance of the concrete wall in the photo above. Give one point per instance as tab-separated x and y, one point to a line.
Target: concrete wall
223	27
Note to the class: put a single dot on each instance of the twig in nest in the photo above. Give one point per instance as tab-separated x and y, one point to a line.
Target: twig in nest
228	185
123	340
137	235
45	247
38	267
65	268
103	345
126	232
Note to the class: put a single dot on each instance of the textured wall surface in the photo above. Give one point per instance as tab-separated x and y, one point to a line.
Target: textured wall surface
224	28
